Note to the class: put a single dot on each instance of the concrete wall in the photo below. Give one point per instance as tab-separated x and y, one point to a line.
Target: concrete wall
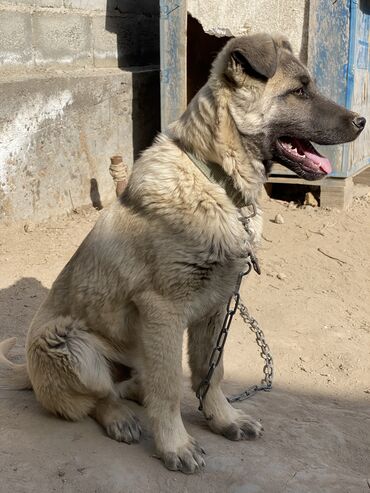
237	18
79	83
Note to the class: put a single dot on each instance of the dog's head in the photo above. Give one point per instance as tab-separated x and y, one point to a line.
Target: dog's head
276	106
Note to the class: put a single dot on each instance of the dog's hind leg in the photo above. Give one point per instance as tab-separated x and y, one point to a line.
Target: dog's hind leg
117	419
221	416
71	377
131	389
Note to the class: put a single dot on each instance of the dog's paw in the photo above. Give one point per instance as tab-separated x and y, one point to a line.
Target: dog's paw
126	430
187	459
243	428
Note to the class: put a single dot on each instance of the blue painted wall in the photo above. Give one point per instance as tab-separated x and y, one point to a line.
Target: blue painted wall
339	61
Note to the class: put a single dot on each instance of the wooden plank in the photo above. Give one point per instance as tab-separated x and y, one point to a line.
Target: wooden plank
363	178
173	15
334	192
337	193
291	180
279	169
328	48
357	153
339	59
281	174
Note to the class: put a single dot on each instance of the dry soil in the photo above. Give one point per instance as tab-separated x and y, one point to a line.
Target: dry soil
312	301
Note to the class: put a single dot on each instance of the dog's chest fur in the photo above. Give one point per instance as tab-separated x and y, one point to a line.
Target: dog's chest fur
195	243
202	274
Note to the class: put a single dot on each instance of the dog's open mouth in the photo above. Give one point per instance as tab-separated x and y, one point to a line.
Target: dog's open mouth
301	157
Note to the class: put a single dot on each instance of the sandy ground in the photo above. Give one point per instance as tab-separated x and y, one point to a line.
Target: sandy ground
315	311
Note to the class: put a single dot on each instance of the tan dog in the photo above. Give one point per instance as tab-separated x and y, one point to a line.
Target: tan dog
166	256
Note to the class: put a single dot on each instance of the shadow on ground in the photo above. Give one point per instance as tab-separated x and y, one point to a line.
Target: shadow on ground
312	443
18	305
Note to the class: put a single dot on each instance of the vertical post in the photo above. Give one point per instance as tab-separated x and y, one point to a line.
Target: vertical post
119	173
173	16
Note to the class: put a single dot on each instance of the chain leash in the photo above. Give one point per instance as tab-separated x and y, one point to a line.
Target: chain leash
233	305
268	368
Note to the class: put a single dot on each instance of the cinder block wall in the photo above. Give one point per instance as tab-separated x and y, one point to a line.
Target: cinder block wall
79	82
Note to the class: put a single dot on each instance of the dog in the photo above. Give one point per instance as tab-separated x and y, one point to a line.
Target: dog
165	257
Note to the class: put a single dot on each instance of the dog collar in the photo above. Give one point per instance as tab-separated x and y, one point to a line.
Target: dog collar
216	174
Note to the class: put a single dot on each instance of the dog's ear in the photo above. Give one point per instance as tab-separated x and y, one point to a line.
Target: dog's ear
255	55
282	42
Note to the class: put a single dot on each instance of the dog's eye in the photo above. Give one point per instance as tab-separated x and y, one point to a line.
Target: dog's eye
300	92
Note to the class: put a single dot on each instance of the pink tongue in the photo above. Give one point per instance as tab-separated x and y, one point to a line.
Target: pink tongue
322	161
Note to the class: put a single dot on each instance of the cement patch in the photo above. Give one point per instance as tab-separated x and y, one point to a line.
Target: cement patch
58	133
235	18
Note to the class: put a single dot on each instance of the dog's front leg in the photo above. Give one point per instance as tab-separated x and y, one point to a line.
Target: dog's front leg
161	335
222	417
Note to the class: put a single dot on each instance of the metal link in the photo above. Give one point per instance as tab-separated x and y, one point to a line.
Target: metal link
235	297
268	368
216	353
232	306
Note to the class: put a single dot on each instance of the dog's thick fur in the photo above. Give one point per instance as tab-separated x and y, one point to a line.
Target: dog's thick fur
165	258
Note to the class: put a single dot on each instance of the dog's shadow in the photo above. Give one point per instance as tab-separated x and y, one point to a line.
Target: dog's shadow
18	304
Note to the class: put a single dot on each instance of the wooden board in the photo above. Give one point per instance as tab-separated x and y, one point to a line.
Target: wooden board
335	193
173	15
363	178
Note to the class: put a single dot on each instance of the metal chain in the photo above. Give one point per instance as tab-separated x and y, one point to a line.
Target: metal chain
268	368
232	306
216	354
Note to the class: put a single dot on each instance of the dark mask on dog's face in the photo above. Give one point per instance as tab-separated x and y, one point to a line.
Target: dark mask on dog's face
277	108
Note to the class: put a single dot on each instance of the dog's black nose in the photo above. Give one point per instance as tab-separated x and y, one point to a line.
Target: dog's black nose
359	122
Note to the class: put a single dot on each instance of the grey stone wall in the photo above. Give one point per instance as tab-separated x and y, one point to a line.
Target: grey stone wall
79	82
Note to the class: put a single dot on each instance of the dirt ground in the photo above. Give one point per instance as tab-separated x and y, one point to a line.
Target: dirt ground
312	300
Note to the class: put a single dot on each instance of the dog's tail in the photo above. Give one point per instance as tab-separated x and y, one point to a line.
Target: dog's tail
12	376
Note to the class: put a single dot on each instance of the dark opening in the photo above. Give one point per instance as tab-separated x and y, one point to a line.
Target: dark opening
292	193
202	49
365	6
